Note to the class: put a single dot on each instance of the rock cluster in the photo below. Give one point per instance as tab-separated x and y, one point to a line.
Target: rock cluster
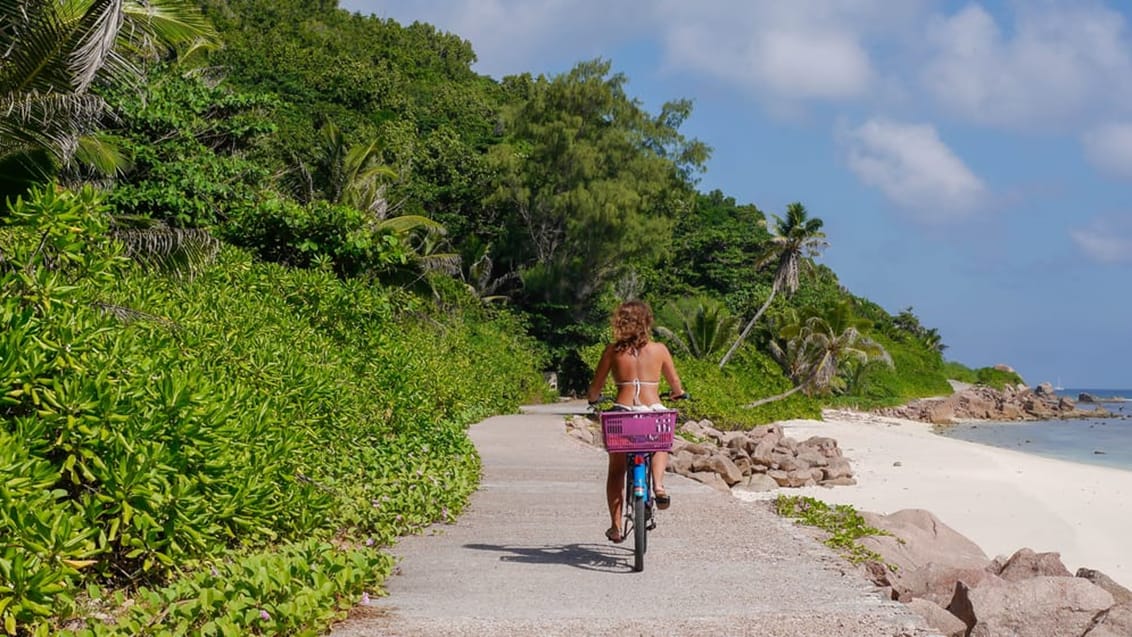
949	581
986	403
758	460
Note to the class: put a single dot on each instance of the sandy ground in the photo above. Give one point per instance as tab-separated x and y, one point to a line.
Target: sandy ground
1003	500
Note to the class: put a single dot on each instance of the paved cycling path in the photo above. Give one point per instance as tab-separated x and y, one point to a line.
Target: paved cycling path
528	558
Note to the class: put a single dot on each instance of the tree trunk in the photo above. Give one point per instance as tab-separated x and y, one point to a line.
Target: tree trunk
763	401
747	329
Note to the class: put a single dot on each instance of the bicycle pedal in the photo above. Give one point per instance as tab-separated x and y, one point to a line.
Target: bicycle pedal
651	525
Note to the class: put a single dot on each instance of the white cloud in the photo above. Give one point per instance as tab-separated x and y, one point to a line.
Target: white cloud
1059	64
802	49
1106	239
785	63
1109	148
912	166
1025	65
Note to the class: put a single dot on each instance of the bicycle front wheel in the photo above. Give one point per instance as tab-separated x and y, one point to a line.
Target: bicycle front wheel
640	534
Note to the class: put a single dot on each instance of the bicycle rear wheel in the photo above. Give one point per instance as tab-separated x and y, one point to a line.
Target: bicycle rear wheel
640	534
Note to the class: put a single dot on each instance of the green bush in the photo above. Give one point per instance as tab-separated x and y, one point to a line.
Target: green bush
151	424
842	522
297	590
187	140
997	378
282	231
916	372
960	372
989	376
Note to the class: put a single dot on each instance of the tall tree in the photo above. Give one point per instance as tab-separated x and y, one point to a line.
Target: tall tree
588	183
715	245
795	240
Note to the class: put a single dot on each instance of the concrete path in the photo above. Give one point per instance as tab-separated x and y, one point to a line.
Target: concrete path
528	558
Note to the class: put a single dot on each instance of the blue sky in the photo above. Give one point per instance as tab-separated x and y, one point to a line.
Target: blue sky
972	160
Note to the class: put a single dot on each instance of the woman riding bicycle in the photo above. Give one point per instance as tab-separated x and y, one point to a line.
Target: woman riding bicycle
637	364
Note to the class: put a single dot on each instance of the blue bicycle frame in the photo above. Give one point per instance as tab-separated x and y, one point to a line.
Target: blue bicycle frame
638	504
639	463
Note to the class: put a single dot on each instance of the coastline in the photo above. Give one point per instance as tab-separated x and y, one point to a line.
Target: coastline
1001	499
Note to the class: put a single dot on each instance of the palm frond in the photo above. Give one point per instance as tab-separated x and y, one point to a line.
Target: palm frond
183	251
484	285
35	59
408	223
175	24
52	50
130	315
103	153
448	263
47	120
94	35
702	325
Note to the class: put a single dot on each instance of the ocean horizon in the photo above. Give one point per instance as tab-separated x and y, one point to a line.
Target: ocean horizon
1096	441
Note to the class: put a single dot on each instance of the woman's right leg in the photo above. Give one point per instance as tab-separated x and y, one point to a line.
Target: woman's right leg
615	490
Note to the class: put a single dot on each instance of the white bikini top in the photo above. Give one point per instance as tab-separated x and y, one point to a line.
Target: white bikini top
636	383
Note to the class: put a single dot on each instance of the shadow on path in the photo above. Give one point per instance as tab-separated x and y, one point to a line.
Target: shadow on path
589	557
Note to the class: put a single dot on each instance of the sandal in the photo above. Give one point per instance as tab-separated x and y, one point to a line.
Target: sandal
662	500
614	535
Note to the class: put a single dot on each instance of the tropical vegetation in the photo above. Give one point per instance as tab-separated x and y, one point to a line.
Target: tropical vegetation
255	257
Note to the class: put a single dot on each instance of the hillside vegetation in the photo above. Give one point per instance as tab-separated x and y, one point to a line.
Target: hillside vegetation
262	266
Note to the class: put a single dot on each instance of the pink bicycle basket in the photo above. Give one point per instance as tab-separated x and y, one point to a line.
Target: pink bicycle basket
628	431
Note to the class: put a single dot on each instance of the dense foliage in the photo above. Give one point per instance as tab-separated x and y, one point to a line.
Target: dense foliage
990	376
153	424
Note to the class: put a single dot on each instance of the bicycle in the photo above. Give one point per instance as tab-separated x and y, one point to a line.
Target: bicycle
638	434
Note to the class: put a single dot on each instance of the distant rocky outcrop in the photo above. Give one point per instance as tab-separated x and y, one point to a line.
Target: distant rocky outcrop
948	581
979	402
761	459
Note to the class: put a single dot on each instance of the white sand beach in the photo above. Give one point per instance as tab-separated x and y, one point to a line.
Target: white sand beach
1003	500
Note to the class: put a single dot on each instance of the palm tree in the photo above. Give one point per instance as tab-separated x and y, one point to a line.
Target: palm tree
697	327
356	176
53	50
482	279
794	241
351	174
815	349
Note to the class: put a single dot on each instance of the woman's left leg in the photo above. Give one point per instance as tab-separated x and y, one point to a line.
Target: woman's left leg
615	494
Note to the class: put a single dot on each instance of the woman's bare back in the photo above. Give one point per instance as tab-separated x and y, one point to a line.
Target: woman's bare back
637	373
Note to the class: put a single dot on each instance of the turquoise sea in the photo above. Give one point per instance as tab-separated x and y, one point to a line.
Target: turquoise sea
1101	441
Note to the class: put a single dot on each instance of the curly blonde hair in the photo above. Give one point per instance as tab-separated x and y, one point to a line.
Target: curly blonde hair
632	322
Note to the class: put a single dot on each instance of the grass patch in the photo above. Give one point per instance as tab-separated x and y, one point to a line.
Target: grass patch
842	522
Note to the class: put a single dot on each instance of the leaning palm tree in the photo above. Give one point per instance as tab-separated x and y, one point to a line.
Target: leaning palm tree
52	51
813	351
794	241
